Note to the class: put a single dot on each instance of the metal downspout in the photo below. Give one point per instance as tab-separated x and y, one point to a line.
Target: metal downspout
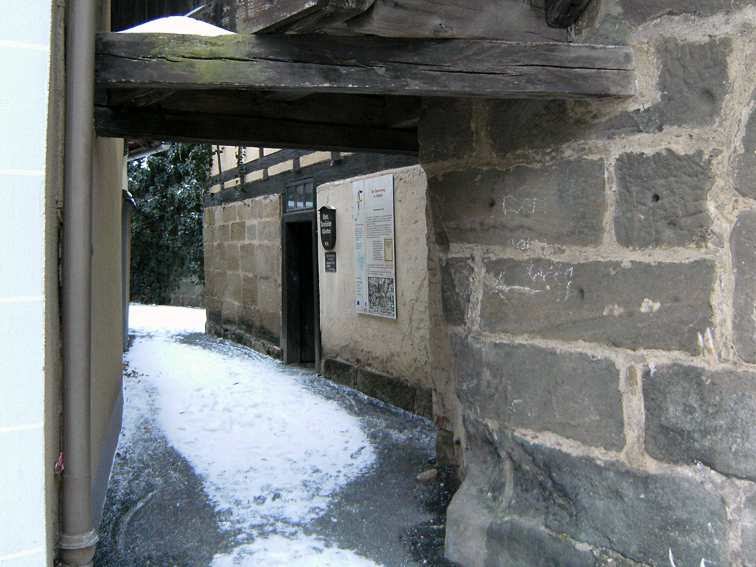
78	536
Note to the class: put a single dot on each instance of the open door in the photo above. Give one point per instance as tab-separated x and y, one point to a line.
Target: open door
301	307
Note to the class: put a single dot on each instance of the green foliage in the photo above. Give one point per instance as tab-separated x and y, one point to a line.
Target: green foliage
166	229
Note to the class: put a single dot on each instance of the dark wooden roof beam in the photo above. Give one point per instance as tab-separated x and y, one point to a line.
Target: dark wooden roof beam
241	130
364	65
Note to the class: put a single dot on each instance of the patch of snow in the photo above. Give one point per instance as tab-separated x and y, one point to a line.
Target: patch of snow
165	320
271	452
179	25
280	551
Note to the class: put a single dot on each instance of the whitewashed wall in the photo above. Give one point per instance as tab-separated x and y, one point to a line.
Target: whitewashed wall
25	61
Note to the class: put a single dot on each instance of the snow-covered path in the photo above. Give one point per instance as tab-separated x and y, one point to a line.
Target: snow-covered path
275	448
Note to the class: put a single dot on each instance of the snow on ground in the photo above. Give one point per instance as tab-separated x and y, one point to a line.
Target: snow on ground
165	320
271	453
302	551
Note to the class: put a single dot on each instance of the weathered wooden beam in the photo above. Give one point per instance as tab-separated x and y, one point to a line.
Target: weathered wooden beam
372	111
265	16
233	130
511	20
369	65
564	13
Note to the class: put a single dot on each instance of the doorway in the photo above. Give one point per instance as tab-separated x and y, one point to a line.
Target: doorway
301	329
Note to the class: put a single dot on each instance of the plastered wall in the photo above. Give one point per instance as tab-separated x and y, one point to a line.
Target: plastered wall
107	311
386	358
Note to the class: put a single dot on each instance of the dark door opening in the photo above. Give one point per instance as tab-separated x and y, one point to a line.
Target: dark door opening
300	289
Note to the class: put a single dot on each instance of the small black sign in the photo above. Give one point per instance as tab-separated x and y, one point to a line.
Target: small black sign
330	261
328	229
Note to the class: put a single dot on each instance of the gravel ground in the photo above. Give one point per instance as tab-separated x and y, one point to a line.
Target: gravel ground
176	498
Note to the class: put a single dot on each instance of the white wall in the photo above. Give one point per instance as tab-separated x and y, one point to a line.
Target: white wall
398	348
25	62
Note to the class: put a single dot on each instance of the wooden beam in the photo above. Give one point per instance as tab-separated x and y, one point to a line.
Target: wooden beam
369	65
266	16
372	111
232	130
564	13
512	20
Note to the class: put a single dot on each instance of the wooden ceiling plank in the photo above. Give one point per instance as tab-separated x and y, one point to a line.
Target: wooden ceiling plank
267	16
365	65
233	130
514	20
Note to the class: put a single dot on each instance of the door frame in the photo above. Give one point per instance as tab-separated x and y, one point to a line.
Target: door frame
286	219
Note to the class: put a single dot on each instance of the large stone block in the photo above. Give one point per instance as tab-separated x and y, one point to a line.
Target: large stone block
697	415
628	517
748	536
231	257
456	288
247	258
386	388
251	231
662	200
513	543
237	231
641	11
692	84
745	163
229	213
339	372
222	233
644	517
562	203
743	245
571	394
230	311
269	231
268	261
693	81
233	290
268	294
271	208
270	326
249	290
245	210
215	283
445	130
630	305
530	124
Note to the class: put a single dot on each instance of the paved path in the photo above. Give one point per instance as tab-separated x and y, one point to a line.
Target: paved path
228	458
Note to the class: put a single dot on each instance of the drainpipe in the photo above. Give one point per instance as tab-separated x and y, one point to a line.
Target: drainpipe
78	536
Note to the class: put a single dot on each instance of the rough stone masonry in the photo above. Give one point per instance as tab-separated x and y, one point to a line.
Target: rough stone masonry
593	289
242	241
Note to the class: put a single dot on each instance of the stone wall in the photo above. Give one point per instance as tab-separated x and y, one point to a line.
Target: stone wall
242	243
593	291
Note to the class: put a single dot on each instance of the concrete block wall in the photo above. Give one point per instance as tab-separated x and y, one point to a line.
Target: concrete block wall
593	304
242	243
